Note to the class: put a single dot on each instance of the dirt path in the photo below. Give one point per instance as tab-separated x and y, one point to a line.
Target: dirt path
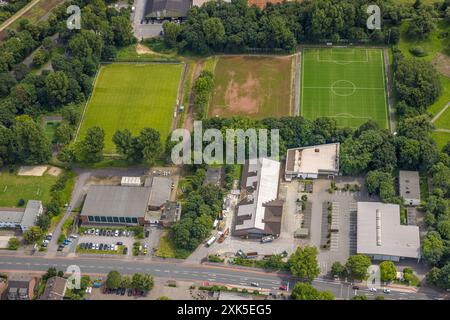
440	112
189	120
298	59
180	96
18	14
388	91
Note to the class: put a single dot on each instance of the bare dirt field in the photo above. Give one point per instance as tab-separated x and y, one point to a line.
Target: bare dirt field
442	64
54	171
34	171
257	86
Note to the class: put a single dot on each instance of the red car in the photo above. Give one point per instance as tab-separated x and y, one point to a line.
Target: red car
283	287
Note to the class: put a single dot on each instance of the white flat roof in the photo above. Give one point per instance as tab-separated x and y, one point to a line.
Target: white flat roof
313	159
379	231
268	172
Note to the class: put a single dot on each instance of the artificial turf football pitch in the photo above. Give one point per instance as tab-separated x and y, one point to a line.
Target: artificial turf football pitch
347	84
133	96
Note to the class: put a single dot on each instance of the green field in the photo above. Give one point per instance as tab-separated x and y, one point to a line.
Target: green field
347	84
13	188
443	122
133	96
441	138
251	86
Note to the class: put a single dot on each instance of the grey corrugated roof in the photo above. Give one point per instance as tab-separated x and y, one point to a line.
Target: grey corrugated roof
161	190
168	8
31	213
393	239
409	182
11	215
116	201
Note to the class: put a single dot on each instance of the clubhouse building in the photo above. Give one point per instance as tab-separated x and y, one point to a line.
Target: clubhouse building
312	162
21	218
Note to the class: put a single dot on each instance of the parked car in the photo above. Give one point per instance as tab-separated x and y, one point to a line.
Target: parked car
283	287
90	245
128	233
116	233
355	288
387	290
373	289
120	243
130	292
254	284
125	250
97	232
147	233
60	248
108	233
82	246
44	244
122	291
101	246
96	246
267	239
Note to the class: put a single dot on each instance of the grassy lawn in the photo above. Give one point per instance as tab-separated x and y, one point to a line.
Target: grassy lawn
443	122
444	98
50	129
92	251
130	53
133	96
258	87
345	84
167	249
432	45
441	138
13	188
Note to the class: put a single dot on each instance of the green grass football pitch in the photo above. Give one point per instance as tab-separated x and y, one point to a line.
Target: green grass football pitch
133	96
347	84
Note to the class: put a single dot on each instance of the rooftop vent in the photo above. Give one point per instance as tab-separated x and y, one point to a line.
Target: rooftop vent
378	218
316	150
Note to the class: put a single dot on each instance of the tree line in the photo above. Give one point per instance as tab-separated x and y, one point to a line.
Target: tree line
24	96
219	26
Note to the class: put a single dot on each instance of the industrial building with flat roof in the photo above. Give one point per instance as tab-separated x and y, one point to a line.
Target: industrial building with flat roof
127	204
409	186
380	234
259	213
310	162
21	218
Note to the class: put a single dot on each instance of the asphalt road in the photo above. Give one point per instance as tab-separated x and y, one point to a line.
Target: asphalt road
196	273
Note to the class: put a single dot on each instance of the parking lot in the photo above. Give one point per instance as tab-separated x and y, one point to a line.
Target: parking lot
123	237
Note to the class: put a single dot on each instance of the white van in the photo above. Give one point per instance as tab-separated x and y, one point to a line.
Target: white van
211	241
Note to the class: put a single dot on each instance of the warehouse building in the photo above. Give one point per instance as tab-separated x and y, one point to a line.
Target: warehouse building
127	204
259	212
311	162
21	218
380	234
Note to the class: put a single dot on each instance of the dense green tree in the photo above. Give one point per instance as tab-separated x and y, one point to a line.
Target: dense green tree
142	281
305	291
90	149
32	235
30	144
113	279
303	263
7	82
432	248
388	271
357	266
338	269
64	133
